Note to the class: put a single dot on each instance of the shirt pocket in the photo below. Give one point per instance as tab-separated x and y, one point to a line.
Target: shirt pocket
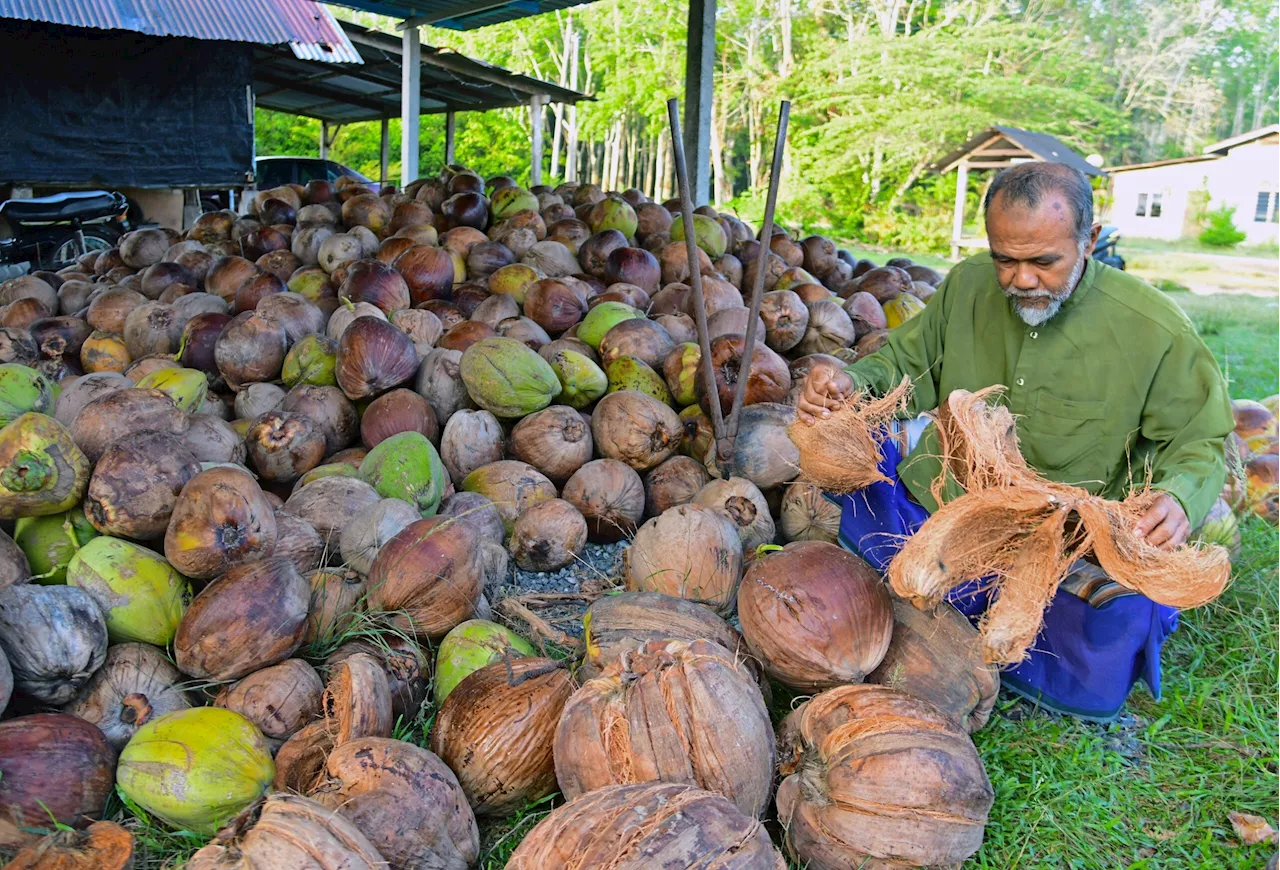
1063	438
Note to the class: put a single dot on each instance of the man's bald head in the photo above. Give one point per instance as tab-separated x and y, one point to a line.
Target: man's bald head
1028	184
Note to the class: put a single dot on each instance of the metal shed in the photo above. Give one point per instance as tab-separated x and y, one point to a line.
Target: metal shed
448	82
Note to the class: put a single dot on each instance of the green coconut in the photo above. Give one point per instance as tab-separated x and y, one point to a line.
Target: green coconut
42	471
331	469
581	380
1220	526
24	389
50	541
311	361
507	378
681	371
141	595
612	213
707	234
603	318
469	647
196	769
629	373
509	200
407	467
187	387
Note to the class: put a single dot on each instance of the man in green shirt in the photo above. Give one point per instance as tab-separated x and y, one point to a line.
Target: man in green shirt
1110	386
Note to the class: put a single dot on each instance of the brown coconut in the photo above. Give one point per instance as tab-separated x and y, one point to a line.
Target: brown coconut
555	440
875	778
808	515
279	699
689	552
675	482
427	579
253	616
122	413
635	428
221	519
136	683
496	732
101	846
638	827
298	541
512	486
816	615
741	502
610	496
136	483
288	831
548	536
404	664
937	657
405	800
357	700
655	706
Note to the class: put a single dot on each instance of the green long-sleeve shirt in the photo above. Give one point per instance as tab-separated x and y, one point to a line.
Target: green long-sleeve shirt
1116	383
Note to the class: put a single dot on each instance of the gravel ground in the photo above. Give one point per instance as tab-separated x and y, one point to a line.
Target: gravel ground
599	568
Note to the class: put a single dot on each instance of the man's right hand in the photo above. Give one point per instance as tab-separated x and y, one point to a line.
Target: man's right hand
825	389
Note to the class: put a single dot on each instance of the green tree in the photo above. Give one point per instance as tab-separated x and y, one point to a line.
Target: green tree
1220	230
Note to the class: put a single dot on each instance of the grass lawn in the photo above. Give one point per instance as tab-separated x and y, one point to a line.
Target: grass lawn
1151	791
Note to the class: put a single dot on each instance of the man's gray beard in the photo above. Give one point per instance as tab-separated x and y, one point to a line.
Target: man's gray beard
1057	295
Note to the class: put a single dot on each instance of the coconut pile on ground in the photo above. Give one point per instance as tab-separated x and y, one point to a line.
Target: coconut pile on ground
292	483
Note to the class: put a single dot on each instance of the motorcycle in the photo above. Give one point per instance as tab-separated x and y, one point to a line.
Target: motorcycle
1105	249
50	232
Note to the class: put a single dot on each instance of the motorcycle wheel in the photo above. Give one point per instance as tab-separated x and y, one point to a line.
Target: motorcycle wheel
96	238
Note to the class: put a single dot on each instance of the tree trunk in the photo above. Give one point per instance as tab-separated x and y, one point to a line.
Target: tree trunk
719	191
877	165
571	161
787	61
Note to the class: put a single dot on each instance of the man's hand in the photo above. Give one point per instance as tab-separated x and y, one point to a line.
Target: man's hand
825	388
1165	524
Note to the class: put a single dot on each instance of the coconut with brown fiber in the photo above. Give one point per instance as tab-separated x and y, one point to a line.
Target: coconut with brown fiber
135	684
937	657
288	831
638	827
221	519
875	778
689	552
471	439
741	502
808	515
817	616
675	482
496	731
357	699
548	536
427	579
1011	524
635	428
101	846
661	690
279	699
610	496
404	664
405	800
555	440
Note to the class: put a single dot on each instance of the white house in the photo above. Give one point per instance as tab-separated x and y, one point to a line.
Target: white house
1160	200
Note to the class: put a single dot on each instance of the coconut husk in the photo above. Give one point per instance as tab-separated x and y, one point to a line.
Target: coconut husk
357	701
1023	533
841	453
300	761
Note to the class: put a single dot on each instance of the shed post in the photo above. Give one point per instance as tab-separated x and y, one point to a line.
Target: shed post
535	116
450	132
382	154
957	220
324	140
410	103
699	74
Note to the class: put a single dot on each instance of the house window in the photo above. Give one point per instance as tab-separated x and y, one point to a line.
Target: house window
1266	207
1142	205
1155	204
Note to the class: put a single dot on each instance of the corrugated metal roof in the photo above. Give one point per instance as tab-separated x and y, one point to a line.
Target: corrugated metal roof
450	82
308	28
460	14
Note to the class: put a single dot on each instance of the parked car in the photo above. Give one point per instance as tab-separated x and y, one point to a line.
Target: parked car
274	171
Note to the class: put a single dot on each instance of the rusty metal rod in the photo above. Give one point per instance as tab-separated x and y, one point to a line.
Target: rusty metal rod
757	288
695	274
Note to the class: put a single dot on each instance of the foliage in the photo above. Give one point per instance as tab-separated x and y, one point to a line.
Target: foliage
1220	230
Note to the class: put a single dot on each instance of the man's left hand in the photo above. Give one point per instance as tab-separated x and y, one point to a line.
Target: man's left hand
1165	524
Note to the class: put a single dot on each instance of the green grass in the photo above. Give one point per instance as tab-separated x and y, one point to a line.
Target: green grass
1194	246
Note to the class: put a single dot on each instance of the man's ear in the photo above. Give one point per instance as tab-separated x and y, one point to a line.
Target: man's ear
1093	236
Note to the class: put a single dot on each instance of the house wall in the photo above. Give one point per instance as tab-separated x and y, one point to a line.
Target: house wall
1173	183
1234	179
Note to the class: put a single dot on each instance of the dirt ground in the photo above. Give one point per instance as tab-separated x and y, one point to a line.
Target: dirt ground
1204	274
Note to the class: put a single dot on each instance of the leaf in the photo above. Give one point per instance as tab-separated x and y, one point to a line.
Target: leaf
1252	829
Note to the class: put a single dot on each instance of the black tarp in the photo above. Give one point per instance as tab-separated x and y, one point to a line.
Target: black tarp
110	108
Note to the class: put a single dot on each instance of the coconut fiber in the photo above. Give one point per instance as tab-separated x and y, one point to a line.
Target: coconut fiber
1020	532
841	453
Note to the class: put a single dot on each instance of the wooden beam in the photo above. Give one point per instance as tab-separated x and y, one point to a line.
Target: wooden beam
699	76
324	93
964	155
1002	152
382	154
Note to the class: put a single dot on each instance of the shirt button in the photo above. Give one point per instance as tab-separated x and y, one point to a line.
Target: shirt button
1035	335
1021	382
